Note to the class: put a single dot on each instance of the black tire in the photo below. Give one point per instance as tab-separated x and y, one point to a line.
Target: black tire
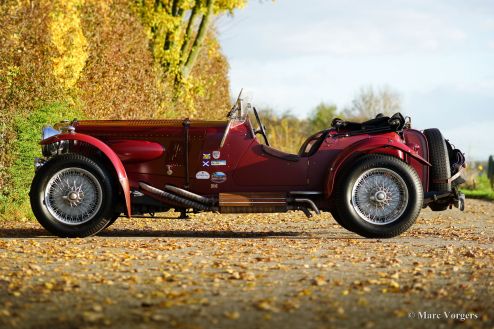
113	218
100	180
337	218
439	159
386	166
441	168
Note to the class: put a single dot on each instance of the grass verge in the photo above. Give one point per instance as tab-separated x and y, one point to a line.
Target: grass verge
14	199
479	194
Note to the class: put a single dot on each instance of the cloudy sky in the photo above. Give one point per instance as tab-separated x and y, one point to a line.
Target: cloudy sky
439	55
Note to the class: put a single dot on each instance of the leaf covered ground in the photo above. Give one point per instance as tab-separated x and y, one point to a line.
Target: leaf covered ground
251	271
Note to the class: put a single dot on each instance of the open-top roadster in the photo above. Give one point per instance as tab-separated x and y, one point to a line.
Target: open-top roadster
374	177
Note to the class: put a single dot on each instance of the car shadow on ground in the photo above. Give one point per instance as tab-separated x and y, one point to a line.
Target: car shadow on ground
196	234
16	233
13	233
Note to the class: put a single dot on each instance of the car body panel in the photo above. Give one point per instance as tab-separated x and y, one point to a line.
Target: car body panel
389	143
153	152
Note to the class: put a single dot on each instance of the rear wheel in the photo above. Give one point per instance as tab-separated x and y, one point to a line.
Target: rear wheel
71	196
380	197
337	218
440	171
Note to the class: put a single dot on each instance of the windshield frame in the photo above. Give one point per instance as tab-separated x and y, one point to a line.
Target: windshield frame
238	114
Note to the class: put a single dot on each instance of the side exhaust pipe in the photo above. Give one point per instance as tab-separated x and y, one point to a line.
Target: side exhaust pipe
311	204
190	195
186	203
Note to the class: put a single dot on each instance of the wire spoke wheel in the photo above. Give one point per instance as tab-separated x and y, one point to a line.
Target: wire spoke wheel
73	196
379	196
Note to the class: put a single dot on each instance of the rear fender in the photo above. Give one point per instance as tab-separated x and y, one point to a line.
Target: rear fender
371	145
107	151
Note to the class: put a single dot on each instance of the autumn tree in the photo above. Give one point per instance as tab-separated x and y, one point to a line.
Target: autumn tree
321	117
371	101
285	131
178	29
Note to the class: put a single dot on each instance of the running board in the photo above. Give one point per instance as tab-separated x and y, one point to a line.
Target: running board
251	202
266	202
229	203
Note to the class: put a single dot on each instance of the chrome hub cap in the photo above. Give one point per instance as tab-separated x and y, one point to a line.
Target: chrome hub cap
73	196
379	196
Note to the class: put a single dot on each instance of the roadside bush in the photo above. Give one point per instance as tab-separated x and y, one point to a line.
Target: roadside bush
26	78
85	57
24	149
119	80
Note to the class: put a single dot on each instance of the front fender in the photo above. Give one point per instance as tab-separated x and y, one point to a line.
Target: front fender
107	151
372	144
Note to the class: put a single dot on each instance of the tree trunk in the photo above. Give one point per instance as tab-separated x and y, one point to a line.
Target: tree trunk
188	34
175	4
201	35
175	12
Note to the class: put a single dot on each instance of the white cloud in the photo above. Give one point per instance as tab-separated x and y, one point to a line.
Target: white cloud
488	23
437	54
352	28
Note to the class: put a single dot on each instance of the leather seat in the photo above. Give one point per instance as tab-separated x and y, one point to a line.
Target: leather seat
308	148
279	154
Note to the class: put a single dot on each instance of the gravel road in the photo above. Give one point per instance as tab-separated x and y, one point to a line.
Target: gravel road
251	271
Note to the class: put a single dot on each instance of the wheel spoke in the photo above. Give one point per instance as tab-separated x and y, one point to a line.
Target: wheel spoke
379	196
73	196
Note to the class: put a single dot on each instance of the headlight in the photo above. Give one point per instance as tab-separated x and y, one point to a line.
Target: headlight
48	131
53	148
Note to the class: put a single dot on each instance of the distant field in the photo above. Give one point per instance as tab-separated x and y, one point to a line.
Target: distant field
479	194
482	189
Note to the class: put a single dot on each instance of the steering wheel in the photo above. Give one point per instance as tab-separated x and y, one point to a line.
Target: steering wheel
261	129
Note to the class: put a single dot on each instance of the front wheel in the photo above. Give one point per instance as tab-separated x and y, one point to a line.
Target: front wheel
71	196
113	218
380	197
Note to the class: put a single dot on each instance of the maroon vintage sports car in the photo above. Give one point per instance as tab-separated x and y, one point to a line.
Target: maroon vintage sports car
374	177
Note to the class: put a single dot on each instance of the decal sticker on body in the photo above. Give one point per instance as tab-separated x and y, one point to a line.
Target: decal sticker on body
218	162
218	177
202	175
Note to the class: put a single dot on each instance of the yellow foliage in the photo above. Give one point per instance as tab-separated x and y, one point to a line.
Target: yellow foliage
206	93
178	40
120	79
69	41
285	132
26	78
96	56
